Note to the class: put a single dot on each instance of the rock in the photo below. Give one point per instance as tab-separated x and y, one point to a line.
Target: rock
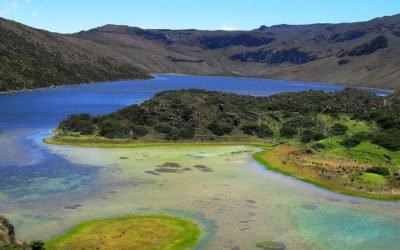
7	232
271	245
374	45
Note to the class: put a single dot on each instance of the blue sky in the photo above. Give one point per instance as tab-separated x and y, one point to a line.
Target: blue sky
66	16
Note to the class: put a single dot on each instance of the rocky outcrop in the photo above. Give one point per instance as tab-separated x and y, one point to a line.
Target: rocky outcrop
347	36
7	232
374	45
291	55
222	41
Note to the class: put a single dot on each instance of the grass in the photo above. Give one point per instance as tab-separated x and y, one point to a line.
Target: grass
130	232
373	178
272	159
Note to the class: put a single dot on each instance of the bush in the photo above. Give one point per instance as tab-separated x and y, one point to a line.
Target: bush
389	139
378	170
310	135
186	133
261	131
163	128
288	131
356	139
219	129
318	146
82	123
113	129
140	130
338	129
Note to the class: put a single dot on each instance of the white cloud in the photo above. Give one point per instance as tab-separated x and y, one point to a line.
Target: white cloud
9	7
227	27
35	14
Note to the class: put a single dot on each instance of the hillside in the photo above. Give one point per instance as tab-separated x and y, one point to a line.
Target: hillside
359	54
362	54
31	58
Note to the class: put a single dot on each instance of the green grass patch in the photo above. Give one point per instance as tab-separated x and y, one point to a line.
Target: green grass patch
373	178
130	232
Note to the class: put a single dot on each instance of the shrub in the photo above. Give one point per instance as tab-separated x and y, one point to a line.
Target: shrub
378	170
82	123
310	135
140	130
163	128
356	139
261	131
389	139
288	131
219	129
186	133
113	129
318	146
338	129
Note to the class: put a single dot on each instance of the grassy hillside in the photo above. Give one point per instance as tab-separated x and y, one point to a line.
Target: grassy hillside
347	140
31	58
364	54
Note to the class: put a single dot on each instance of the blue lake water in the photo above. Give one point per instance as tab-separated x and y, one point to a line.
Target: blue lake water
32	176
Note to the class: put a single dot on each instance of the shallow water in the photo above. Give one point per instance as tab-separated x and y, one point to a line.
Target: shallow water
47	189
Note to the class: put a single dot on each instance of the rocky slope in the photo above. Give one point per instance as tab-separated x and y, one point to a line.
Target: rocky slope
362	54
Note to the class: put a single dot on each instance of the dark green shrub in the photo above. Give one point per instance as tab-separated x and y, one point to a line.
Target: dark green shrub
82	123
318	146
356	139
389	139
338	129
263	131
163	128
37	245
288	131
186	133
113	129
133	114
140	130
378	170
311	135
219	129
187	114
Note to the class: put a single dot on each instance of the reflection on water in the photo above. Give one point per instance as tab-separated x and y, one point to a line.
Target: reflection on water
47	189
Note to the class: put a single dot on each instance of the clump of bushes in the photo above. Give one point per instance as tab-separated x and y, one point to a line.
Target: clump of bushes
338	129
389	139
311	135
288	131
262	131
378	170
219	129
82	123
356	139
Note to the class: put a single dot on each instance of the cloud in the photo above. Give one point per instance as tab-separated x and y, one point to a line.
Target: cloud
227	27
35	14
9	7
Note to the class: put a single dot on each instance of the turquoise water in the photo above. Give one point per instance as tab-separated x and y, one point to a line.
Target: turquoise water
47	189
338	228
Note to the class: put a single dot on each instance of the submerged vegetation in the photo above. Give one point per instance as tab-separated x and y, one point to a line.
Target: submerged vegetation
347	140
130	232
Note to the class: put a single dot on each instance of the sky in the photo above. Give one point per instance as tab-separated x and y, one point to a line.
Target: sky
68	16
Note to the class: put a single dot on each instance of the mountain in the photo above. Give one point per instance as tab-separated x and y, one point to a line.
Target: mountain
362	54
359	54
32	58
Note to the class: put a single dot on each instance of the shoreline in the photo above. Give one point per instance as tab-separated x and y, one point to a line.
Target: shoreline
153	76
258	156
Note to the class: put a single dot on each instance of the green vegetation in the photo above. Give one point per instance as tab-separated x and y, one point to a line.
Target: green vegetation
332	147
130	232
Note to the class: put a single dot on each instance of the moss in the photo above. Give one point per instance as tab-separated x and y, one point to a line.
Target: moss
130	232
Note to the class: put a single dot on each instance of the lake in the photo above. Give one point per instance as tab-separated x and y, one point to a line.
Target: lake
46	189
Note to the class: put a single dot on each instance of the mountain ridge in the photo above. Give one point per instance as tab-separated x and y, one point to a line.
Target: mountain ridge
358	54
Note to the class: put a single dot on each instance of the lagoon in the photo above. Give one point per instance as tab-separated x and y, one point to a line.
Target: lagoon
46	189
